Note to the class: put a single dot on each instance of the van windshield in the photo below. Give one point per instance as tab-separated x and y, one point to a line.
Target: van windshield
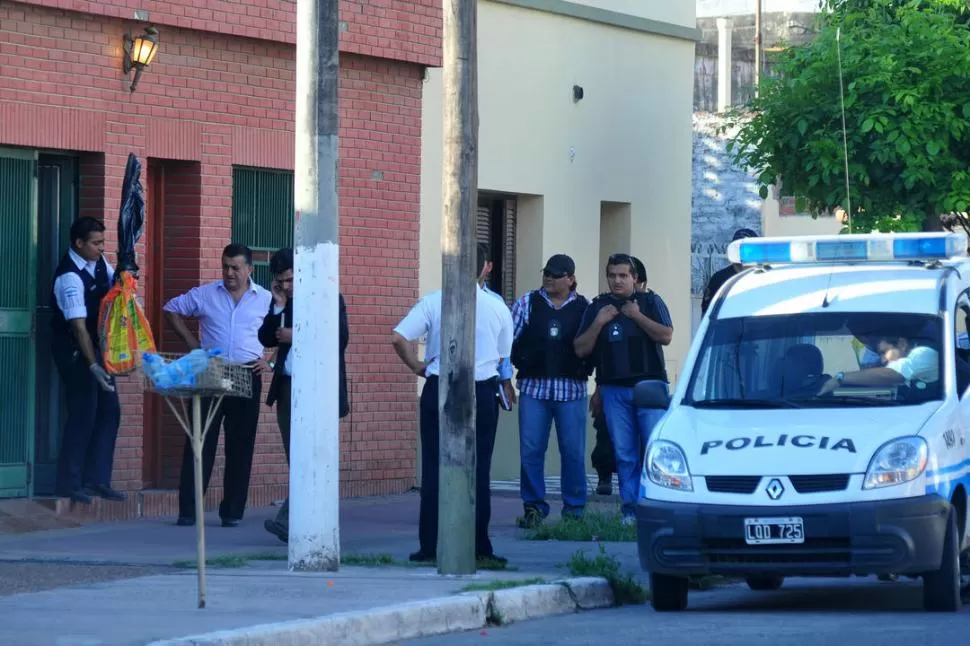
819	360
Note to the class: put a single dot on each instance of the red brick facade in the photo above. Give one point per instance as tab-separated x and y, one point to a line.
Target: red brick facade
220	93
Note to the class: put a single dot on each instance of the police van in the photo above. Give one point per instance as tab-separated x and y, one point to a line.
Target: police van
820	426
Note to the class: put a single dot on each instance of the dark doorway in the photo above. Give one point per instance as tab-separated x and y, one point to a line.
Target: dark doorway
57	208
173	207
496	228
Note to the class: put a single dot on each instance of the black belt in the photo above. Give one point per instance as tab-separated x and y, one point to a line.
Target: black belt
490	380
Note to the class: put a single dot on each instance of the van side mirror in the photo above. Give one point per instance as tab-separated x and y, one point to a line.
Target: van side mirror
651	395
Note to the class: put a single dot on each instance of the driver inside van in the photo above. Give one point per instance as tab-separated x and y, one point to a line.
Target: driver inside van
903	362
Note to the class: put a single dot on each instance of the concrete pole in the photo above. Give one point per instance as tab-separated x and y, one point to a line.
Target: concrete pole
757	47
314	534
725	66
456	396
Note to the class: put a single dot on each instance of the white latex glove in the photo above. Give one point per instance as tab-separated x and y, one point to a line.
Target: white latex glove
102	377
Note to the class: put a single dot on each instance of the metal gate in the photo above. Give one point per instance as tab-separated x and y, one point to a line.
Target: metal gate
18	248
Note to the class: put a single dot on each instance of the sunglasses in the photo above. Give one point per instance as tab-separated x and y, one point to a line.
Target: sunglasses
548	274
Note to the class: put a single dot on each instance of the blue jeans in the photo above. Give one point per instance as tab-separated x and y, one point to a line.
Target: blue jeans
629	429
535	424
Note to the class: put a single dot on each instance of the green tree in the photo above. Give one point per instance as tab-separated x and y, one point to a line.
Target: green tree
906	79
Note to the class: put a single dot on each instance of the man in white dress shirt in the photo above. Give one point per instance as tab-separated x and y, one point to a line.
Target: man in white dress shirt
81	281
493	343
230	312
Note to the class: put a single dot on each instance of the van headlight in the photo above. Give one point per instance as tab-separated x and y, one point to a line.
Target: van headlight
896	462
667	466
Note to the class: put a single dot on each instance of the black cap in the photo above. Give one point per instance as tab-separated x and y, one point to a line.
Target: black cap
743	233
560	265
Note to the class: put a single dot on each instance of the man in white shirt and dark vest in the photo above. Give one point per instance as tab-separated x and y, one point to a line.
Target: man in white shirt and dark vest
230	312
493	343
81	281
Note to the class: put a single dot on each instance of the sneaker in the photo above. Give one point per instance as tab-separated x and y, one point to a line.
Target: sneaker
530	520
890	578
629	521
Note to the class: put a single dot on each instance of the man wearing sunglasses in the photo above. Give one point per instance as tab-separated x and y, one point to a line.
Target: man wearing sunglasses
623	331
552	386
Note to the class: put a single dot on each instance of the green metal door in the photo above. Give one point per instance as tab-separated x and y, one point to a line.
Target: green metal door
18	248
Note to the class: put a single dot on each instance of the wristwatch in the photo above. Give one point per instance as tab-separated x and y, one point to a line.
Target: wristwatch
840	377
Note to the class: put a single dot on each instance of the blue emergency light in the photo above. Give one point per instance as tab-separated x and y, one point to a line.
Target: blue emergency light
868	247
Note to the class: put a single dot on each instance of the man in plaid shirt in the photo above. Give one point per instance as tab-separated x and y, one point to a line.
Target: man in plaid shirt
552	386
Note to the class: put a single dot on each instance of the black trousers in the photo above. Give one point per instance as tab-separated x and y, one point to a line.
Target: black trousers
603	456
88	441
486	412
240	419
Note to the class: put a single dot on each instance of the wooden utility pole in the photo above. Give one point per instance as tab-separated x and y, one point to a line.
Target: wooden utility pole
456	396
314	536
757	47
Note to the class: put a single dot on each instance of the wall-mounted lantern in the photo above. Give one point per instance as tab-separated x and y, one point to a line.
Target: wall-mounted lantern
140	50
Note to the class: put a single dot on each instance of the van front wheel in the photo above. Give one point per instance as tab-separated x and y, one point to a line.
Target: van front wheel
941	589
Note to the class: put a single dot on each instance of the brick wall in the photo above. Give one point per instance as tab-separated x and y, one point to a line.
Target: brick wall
402	30
218	100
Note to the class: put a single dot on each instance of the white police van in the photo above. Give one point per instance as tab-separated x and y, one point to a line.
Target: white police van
820	427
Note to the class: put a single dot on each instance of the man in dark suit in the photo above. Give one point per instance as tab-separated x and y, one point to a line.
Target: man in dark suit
277	332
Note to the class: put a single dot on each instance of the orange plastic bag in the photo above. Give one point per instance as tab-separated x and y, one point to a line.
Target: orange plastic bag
123	328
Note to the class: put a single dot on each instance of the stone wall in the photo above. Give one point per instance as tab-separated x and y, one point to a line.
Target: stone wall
725	199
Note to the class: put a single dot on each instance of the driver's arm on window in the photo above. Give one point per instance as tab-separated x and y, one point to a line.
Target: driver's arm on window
921	363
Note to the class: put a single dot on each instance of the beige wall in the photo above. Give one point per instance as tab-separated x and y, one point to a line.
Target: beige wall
774	224
624	151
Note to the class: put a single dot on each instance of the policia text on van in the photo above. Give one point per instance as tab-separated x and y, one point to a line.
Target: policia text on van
820	427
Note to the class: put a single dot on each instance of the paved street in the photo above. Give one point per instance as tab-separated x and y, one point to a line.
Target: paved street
864	612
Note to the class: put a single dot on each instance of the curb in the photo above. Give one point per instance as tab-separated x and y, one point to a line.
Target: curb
466	611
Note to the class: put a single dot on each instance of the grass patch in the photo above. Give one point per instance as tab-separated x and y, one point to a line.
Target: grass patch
369	560
226	562
492	586
626	589
218	562
594	526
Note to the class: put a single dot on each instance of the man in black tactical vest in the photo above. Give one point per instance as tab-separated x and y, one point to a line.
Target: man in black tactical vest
623	331
552	386
603	457
81	281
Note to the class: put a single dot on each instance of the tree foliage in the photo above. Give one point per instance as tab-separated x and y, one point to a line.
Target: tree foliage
906	78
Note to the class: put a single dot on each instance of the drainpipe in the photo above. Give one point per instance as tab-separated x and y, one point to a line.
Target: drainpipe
757	47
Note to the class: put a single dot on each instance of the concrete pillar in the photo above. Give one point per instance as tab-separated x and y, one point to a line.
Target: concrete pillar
725	28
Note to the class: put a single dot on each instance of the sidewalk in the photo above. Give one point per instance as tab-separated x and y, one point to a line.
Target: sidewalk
258	590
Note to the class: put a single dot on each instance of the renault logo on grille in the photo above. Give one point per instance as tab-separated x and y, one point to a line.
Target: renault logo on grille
775	489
